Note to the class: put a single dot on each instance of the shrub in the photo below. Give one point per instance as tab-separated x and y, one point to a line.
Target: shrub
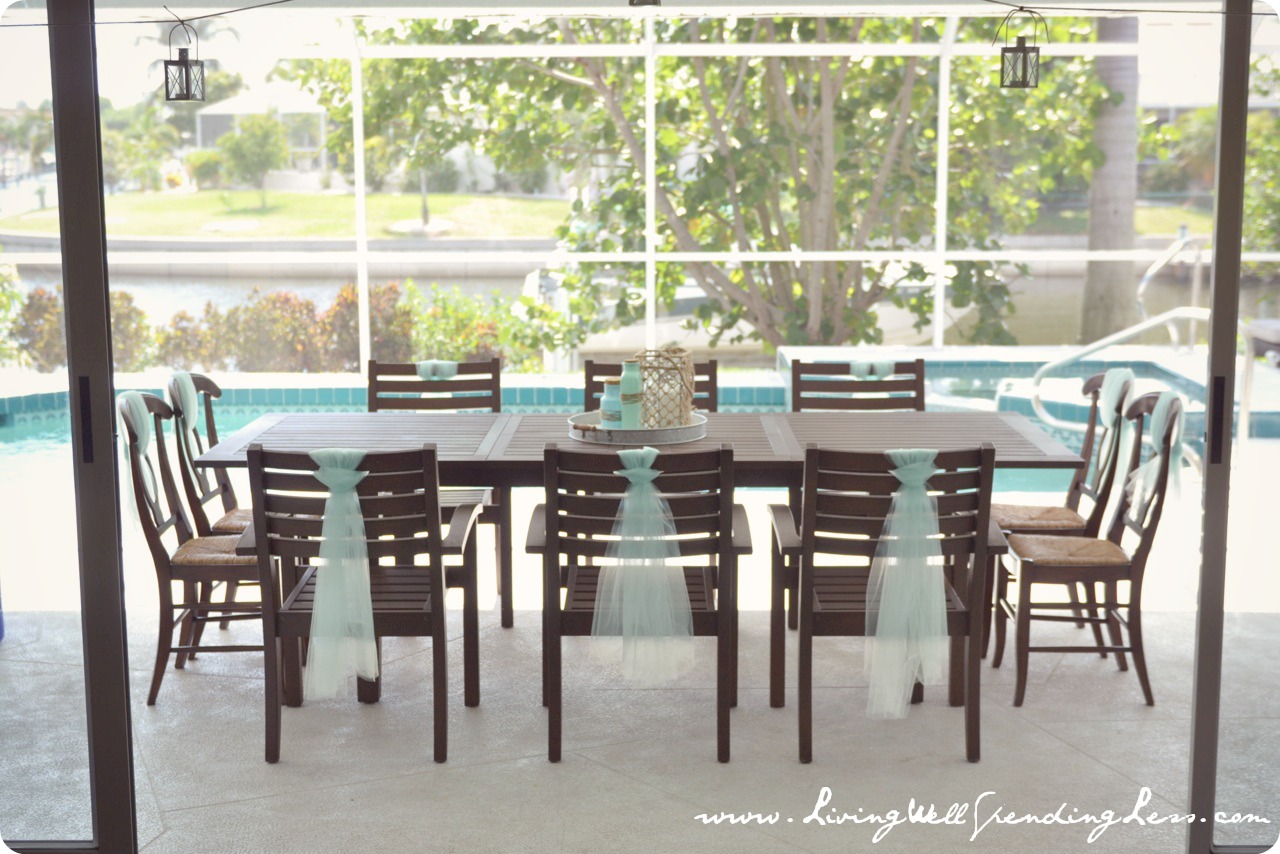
133	343
390	327
38	331
275	332
448	324
206	168
10	306
189	343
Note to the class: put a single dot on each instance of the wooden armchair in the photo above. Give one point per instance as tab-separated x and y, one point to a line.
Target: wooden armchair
399	499
570	532
846	499
706	389
1042	559
189	571
477	386
830	385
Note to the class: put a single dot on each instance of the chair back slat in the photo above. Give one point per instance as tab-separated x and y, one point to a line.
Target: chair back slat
396	386
706	390
845	504
156	496
830	386
1129	517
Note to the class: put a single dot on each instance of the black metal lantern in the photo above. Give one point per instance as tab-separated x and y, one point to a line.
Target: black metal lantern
184	77
1020	64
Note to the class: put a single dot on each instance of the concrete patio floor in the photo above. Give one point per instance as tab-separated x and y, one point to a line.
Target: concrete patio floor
639	765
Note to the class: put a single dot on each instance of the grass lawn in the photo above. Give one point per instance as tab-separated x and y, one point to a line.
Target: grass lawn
1148	219
236	213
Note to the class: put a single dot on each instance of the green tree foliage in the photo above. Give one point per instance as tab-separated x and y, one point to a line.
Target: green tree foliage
390	325
132	339
273	332
754	153
206	168
452	325
257	147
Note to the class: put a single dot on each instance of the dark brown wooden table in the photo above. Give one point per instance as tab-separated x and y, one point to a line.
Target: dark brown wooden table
504	449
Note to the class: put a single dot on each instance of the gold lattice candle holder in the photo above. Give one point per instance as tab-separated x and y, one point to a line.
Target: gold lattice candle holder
668	387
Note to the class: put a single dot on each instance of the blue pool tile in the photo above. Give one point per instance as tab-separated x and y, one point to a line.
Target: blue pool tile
560	396
324	396
292	396
275	396
308	396
258	397
342	396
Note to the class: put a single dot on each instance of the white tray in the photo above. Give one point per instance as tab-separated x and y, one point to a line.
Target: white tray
585	427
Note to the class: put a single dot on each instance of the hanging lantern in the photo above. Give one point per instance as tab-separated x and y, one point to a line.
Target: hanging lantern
184	77
1020	64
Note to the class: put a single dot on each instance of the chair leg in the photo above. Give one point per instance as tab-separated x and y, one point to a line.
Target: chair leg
1095	613
470	628
190	595
555	698
990	607
370	690
271	692
972	697
229	598
1022	636
439	679
1110	606
164	645
725	678
777	632
804	683
1073	591
955	672
502	536
291	671
200	616
1001	617
1139	655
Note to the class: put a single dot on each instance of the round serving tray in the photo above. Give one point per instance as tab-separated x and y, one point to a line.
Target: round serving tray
585	427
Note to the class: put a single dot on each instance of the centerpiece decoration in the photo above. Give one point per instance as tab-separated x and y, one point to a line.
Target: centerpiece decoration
664	400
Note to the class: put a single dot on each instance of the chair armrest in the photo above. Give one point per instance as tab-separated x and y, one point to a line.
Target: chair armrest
460	525
741	531
997	544
784	529
248	542
536	541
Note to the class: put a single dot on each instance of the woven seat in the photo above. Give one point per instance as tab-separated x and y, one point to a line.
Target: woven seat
1022	517
234	522
1067	551
211	551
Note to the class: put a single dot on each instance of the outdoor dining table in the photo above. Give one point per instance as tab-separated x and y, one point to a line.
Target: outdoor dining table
505	449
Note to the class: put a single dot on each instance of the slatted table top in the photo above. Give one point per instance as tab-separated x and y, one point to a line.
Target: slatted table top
506	450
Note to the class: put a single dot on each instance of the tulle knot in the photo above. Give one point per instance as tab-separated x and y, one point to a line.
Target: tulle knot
337	479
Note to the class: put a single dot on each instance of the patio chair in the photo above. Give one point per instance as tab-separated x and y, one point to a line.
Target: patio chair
194	565
837	386
476	386
573	529
1042	559
706	390
197	486
400	505
846	501
1101	452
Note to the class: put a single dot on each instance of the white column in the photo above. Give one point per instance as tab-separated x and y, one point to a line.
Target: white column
362	213
940	199
650	188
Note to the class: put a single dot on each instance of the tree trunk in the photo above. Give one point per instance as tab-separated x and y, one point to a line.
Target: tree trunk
1110	285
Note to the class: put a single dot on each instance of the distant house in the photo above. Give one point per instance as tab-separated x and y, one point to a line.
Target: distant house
303	118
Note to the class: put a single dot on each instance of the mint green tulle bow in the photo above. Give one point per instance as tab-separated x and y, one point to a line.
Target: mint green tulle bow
643	622
141	419
1116	382
906	612
1141	484
876	370
342	615
436	369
